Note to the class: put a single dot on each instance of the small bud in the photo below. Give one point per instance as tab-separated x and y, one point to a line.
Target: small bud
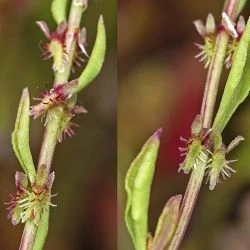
56	96
44	28
218	163
196	126
80	52
67	126
79	110
210	24
217	141
41	179
200	27
82	41
241	24
233	43
229	25
21	180
208	33
81	3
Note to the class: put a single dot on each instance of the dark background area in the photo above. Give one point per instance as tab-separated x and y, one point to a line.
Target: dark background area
161	85
85	166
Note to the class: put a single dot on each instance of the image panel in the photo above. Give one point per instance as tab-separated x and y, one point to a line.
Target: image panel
183	120
58	124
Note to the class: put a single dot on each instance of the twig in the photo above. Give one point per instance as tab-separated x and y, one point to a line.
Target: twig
53	125
207	110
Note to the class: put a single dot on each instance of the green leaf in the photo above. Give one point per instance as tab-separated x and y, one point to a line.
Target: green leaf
167	223
137	185
238	83
42	231
59	10
96	59
241	5
20	136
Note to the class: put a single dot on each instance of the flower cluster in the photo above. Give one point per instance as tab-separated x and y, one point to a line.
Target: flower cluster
56	96
209	32
234	41
30	200
195	152
218	164
206	146
66	128
56	47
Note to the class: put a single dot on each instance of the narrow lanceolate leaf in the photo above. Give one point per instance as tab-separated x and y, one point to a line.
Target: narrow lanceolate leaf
96	59
59	10
138	185
20	135
42	231
167	223
241	5
238	83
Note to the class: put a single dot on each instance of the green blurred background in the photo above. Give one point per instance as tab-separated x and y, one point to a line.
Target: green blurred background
85	166
161	85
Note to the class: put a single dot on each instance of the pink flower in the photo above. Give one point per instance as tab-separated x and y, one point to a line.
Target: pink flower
56	47
30	200
67	126
56	96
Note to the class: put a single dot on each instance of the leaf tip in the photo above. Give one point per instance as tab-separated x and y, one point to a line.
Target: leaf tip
25	91
101	20
175	200
158	133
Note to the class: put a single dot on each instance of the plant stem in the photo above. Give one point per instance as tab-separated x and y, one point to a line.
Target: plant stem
73	28
188	204
207	110
49	143
213	79
215	69
52	128
28	236
53	125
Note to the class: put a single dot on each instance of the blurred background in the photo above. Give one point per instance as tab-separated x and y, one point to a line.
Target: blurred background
85	166
161	85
